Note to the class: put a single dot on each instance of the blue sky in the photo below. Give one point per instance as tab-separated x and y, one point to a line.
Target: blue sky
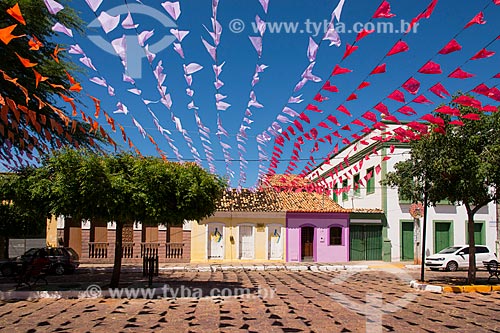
286	56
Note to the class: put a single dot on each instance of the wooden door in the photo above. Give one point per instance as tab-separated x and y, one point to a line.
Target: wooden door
275	242
407	241
442	236
246	242
307	239
215	241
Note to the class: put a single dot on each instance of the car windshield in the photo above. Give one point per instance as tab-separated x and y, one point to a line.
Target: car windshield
448	250
30	252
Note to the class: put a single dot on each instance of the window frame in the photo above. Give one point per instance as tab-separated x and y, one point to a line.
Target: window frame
339	237
370	183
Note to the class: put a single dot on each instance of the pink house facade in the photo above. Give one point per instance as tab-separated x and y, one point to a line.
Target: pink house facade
317	237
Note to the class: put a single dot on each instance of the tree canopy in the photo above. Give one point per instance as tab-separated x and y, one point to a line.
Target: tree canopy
122	188
458	162
34	81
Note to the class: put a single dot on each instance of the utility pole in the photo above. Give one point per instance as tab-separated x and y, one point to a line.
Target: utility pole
424	234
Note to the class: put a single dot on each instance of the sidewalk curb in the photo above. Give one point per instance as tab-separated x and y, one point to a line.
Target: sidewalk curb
453	289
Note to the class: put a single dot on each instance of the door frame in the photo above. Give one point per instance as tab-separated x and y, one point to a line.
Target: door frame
401	238
451	236
238	248
268	244
208	247
308	225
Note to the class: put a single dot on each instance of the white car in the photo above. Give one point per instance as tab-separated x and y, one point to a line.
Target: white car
456	257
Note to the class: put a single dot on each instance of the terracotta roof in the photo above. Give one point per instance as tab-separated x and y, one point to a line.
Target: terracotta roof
273	201
285	181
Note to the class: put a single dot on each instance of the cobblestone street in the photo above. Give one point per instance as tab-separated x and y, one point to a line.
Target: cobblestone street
288	302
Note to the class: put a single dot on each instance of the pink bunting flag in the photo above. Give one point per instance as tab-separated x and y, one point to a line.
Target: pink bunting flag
53	7
349	49
192	68
179	34
363	33
94	4
87	62
333	36
430	68
257	44
439	90
412	86
58	27
452	46
478	19
261	25
397	96
128	22
108	22
212	50
179	50
339	70
422	100
483	54
173	9
290	112
383	11
264	4
76	49
144	36
312	50
460	74
379	69
399	47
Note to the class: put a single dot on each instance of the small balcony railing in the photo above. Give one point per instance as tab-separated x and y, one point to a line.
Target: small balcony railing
149	249
98	250
174	250
128	250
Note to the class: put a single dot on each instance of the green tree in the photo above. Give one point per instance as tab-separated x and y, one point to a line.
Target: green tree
460	164
124	188
49	130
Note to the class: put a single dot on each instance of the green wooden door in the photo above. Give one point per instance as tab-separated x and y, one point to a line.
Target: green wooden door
479	236
442	236
357	244
407	241
365	242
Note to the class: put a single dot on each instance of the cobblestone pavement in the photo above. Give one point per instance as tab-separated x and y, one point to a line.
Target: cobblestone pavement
288	302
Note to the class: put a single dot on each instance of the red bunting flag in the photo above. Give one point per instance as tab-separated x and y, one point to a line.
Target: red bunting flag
448	110
478	19
291	130
397	96
433	120
422	100
314	133
349	49
304	117
439	90
472	116
328	87
407	110
481	89
363	85
320	98
333	120
426	14
363	33
324	125
483	54
430	68
399	47
468	101
358	122
452	46
298	125
352	96
379	69
314	108
339	70
345	128
412	86
460	74
383	11
343	109
382	108
370	116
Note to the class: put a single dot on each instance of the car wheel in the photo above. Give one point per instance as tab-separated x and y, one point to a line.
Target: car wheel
452	266
7	270
59	270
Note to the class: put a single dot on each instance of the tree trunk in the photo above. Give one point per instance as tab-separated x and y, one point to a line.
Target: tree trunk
115	278
471	276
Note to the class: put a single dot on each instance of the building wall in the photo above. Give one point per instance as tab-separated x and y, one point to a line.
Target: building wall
230	222
322	251
387	199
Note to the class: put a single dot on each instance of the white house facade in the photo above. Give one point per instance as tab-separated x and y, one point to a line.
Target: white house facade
354	175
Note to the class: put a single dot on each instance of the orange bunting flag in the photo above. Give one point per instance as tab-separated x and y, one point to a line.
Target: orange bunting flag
76	87
26	62
15	12
35	44
70	78
123	132
39	78
70	101
97	104
56	52
6	34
